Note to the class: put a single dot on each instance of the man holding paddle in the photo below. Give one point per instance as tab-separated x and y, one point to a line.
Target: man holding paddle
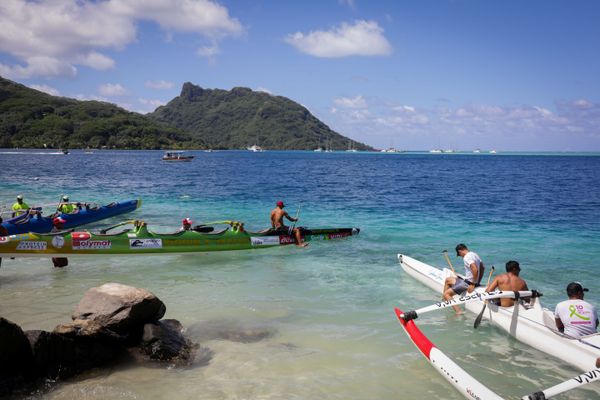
277	215
473	270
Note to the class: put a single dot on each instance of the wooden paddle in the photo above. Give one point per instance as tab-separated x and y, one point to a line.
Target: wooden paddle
445	253
291	230
480	316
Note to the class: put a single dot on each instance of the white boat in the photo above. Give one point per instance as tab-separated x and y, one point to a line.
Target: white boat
477	151
255	148
391	150
493	152
318	150
176	156
436	151
532	325
449	151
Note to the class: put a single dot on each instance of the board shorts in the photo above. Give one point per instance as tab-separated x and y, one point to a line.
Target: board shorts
460	286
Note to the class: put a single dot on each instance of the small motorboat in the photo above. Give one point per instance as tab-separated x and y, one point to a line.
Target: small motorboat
176	156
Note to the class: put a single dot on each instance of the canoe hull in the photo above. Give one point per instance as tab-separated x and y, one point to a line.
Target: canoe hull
142	241
82	217
533	325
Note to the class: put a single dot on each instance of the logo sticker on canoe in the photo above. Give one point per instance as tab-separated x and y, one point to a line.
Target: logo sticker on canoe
264	240
80	236
284	239
145	243
4	239
32	245
58	242
92	244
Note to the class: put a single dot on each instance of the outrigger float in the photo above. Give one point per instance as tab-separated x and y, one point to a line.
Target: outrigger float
140	240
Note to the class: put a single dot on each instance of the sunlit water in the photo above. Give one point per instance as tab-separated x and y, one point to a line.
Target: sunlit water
326	311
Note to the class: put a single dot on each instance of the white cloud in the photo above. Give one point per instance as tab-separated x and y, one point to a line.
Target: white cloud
50	38
112	90
46	89
208	51
160	84
351	102
154	103
363	38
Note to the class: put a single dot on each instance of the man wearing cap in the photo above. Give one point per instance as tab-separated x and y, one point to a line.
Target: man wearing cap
186	225
19	205
65	207
510	281
576	317
58	226
277	215
473	270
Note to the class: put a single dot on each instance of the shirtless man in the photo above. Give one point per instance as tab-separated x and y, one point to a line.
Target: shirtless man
277	215
510	281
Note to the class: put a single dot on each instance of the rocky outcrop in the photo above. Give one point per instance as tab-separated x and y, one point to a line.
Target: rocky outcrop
108	323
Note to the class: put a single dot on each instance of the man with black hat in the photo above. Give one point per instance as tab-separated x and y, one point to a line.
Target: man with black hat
576	317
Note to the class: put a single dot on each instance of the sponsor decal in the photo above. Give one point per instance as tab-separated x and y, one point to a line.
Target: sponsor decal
338	235
264	240
473	394
588	376
92	244
80	236
284	239
145	243
4	239
58	242
32	245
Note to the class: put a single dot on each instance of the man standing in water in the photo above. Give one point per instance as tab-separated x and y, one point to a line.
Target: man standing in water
576	317
58	225
510	281
277	215
473	268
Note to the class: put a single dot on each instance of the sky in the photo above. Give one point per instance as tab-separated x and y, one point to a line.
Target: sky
513	75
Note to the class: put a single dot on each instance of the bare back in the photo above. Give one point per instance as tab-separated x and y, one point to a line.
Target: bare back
277	215
508	282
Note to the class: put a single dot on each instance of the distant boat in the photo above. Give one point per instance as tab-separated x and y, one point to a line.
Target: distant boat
255	148
391	150
351	148
318	150
208	150
176	156
449	151
477	151
65	151
436	151
493	151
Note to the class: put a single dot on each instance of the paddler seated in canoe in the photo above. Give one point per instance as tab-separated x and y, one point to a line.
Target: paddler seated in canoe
65	207
57	226
454	285
576	317
509	281
186	225
19	207
277	225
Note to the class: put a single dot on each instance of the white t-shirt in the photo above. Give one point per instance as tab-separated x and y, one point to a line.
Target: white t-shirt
579	317
470	258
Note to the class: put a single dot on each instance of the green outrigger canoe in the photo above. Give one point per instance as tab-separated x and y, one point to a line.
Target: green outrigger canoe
140	240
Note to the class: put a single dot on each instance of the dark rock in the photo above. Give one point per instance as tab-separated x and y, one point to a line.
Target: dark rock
59	356
16	359
119	308
164	341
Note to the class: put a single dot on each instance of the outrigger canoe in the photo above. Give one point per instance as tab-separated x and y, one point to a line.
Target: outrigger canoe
139	240
530	324
86	215
466	384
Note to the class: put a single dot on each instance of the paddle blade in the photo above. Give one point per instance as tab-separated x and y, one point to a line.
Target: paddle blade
479	317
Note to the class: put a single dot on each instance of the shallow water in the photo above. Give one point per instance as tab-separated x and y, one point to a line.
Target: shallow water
323	315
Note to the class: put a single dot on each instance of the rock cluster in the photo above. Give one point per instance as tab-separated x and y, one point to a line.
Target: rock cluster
110	323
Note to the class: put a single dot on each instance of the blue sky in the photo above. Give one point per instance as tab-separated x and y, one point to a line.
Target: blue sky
462	74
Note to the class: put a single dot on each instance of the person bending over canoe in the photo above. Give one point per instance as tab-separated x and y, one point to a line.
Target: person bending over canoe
576	317
65	207
473	270
510	281
277	215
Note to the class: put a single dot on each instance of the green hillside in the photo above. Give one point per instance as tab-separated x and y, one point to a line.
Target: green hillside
241	117
30	118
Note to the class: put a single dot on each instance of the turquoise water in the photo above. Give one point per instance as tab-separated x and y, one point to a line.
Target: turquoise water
328	309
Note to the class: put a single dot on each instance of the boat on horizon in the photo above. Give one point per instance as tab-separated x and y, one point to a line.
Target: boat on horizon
176	155
255	148
436	151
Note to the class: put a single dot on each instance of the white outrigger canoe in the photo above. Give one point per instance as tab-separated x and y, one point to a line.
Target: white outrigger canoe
532	325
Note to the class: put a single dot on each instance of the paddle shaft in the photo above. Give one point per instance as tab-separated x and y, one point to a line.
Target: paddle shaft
295	220
445	253
480	315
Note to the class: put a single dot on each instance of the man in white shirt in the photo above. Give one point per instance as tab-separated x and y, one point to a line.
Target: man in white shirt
473	270
576	317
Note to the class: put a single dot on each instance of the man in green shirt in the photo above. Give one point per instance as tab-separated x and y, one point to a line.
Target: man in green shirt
19	205
65	207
